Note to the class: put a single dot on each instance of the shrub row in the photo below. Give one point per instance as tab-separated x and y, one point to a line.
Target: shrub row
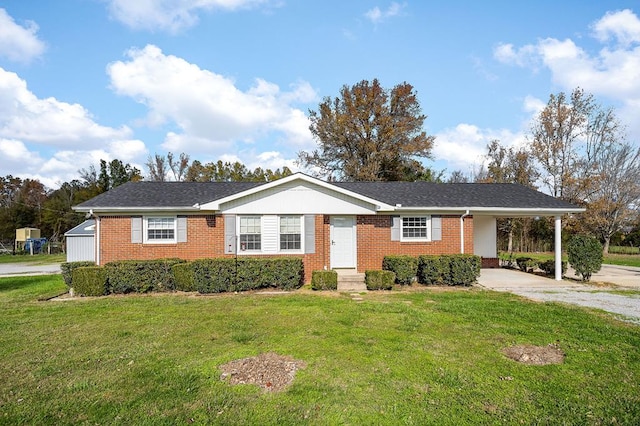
204	276
527	264
221	275
455	269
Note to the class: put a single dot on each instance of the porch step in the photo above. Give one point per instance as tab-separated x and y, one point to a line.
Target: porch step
349	280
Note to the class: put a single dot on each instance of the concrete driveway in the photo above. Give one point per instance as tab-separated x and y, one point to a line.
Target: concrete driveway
25	269
535	287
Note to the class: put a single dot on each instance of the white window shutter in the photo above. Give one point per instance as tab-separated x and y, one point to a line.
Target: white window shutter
136	229
310	233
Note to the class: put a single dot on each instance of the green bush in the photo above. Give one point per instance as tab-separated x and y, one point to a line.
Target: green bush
432	269
585	255
324	280
549	267
405	268
464	269
183	277
379	280
68	267
141	276
526	264
89	281
226	274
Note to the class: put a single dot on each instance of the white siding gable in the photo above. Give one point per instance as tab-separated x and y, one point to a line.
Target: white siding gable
298	197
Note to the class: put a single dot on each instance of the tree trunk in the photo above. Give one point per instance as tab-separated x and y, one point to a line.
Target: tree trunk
510	243
607	241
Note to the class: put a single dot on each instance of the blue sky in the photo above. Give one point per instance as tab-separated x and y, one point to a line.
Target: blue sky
82	80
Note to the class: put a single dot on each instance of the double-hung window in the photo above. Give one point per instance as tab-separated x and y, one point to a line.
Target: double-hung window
250	233
415	228
161	230
290	233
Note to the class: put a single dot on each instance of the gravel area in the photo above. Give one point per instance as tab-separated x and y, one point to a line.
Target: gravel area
624	306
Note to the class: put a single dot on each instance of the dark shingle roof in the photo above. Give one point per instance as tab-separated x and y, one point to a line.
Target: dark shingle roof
429	194
166	194
408	194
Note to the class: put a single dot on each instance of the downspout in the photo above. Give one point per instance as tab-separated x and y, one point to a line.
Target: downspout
97	242
462	231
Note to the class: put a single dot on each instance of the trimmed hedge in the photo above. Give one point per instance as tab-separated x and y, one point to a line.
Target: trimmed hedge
432	269
141	276
379	280
90	281
464	269
324	280
454	269
183	276
405	268
225	274
68	267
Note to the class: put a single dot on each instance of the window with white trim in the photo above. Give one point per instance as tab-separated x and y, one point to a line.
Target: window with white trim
160	229
250	233
290	233
415	228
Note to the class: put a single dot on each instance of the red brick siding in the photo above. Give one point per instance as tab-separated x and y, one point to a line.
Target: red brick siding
205	235
374	240
205	239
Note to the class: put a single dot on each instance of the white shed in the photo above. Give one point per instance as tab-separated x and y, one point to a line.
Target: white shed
81	242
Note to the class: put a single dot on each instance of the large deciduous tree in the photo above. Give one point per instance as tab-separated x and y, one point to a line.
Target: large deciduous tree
368	133
584	158
559	127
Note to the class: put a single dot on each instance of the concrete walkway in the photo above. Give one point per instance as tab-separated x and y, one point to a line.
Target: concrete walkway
546	289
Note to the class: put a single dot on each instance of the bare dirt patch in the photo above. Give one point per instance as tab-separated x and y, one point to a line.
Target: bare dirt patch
270	371
535	355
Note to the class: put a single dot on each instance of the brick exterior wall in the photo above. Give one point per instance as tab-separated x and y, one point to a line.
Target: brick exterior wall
205	239
374	240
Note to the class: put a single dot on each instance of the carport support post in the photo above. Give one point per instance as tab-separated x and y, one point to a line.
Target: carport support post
558	248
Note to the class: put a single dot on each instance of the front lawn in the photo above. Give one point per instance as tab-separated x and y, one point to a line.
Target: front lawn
420	357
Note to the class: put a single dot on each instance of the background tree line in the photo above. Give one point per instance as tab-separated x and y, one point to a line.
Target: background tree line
576	150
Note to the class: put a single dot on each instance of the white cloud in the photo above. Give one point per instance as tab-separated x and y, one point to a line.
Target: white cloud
171	15
623	26
465	146
48	121
613	72
377	15
51	140
18	43
62	166
210	111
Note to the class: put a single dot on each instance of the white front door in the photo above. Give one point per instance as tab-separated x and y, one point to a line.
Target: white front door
343	242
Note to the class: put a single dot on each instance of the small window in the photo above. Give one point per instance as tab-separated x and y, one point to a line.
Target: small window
161	229
415	228
250	235
290	234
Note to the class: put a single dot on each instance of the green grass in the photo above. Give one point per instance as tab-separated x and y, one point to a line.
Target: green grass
428	357
38	259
